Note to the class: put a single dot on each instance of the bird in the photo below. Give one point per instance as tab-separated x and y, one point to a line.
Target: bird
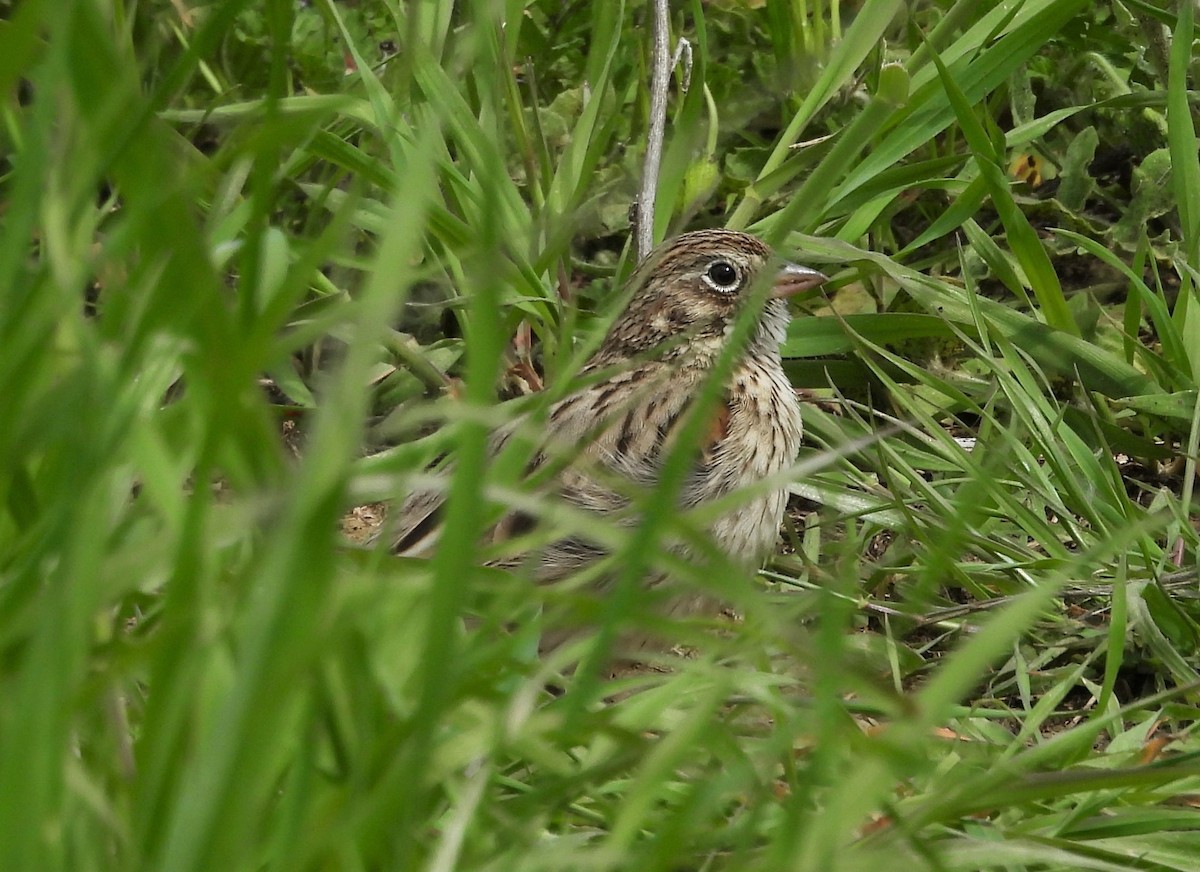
683	300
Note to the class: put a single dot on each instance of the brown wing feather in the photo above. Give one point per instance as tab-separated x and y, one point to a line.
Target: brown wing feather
420	522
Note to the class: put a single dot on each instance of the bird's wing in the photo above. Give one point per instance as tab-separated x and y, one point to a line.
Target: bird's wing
616	427
418	520
628	422
420	523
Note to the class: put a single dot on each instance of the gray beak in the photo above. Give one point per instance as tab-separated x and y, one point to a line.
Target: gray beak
793	279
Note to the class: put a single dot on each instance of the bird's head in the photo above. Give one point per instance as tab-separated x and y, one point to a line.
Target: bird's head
688	292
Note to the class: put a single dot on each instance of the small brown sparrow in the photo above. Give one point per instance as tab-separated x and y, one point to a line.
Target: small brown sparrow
684	299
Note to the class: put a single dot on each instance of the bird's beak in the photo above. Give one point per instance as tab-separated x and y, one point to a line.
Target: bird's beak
793	279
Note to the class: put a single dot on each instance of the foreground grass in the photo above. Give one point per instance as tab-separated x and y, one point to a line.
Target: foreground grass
979	649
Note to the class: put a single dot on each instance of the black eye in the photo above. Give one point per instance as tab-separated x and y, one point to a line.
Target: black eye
723	275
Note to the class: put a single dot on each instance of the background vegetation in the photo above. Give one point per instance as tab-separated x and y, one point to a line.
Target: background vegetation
251	251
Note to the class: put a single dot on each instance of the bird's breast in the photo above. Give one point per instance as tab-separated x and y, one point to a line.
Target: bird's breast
764	426
628	424
761	439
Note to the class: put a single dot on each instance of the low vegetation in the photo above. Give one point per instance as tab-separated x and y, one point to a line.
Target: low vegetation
262	263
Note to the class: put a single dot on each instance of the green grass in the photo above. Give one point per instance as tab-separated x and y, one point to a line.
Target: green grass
969	655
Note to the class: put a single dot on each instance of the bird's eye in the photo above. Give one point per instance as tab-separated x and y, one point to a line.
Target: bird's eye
722	275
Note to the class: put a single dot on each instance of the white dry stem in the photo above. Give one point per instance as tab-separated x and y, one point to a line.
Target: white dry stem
662	62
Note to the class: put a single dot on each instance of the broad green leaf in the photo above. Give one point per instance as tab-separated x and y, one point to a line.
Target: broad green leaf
813	337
